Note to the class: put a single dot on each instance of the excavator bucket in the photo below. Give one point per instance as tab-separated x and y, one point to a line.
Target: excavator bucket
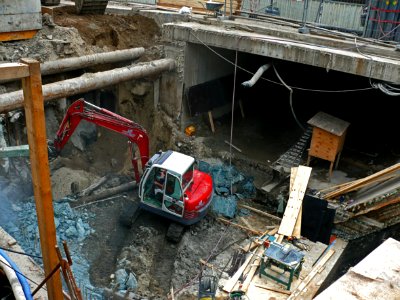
91	6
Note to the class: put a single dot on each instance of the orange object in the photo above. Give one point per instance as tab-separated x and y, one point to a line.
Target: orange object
190	130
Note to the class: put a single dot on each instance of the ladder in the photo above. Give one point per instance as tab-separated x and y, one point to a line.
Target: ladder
293	156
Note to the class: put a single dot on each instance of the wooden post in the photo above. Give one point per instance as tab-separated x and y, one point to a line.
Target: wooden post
36	130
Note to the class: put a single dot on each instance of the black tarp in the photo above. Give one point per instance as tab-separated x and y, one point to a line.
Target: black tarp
317	219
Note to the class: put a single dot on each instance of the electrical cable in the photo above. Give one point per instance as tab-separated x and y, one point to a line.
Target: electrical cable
21	253
277	83
290	99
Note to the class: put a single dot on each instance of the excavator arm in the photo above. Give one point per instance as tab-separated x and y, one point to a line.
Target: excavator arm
82	110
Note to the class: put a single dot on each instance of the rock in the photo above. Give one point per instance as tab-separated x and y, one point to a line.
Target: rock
121	277
80	229
71	232
131	283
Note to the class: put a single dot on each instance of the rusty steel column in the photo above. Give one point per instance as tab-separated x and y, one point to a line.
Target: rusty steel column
36	130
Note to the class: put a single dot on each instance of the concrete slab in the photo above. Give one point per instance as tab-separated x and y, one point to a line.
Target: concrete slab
233	37
376	277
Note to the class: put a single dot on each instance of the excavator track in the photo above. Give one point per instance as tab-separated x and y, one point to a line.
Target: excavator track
92	7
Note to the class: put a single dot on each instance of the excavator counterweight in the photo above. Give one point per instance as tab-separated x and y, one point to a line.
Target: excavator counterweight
97	7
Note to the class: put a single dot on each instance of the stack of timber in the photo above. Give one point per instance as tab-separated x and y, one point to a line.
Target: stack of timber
368	204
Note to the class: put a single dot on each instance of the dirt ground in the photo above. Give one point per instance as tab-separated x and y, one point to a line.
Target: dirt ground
109	33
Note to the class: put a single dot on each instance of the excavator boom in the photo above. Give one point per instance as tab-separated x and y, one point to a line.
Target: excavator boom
82	110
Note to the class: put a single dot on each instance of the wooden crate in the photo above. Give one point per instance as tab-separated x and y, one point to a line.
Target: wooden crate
327	139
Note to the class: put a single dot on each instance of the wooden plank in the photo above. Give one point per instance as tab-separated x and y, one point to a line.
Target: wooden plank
13	71
359	183
256	232
297	226
254	266
263	213
295	201
311	275
36	131
270	288
378	206
230	284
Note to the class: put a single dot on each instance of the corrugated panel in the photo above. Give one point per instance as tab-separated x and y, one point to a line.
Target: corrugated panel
199	6
20	15
384	20
336	14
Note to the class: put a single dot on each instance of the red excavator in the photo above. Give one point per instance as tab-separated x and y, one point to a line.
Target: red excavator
169	186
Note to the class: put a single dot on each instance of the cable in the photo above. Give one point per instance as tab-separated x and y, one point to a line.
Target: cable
22	253
277	83
16	271
233	111
290	99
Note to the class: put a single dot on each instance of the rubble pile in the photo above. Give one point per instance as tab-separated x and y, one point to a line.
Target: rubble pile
72	226
229	186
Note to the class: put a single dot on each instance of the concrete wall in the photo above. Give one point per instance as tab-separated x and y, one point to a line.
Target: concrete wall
202	65
20	15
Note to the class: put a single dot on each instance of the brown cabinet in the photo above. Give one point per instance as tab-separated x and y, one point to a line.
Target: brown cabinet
327	139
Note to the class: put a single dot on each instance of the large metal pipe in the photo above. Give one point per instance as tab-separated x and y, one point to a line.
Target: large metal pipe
89	82
74	63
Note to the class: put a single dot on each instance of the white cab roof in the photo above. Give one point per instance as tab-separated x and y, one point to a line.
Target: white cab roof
178	162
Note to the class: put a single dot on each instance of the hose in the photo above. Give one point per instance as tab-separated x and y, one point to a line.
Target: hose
9	265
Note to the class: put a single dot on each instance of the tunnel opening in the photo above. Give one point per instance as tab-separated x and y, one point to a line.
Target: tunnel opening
270	114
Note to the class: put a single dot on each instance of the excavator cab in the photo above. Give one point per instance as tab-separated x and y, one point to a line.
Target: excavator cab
176	198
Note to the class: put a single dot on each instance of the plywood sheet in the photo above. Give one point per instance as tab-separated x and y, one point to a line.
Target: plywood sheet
295	201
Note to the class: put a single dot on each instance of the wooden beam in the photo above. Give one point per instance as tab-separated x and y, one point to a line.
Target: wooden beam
17	35
13	71
256	232
36	130
260	212
270	288
361	182
256	263
311	275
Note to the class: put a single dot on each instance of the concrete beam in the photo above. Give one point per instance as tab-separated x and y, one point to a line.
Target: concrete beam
329	58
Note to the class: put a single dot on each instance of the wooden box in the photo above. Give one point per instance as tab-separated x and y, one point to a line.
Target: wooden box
327	139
